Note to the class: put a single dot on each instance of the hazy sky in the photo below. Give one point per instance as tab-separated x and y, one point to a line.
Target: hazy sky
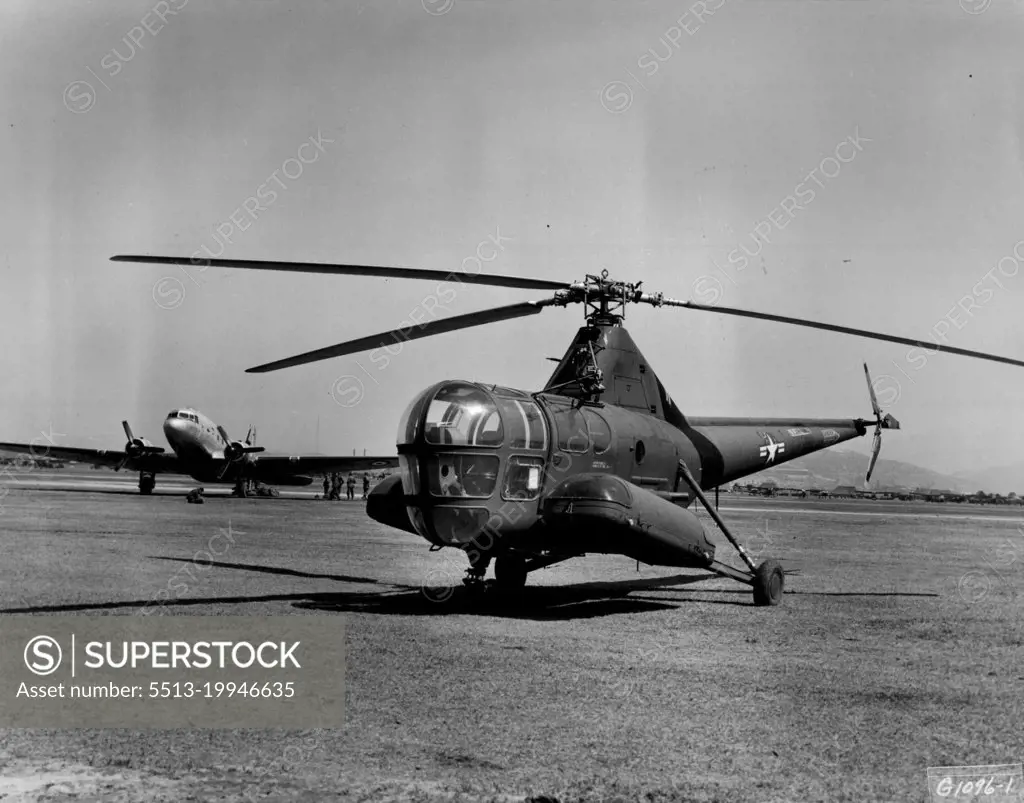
643	138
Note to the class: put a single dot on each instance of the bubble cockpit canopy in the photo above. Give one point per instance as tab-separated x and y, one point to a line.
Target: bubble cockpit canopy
457	414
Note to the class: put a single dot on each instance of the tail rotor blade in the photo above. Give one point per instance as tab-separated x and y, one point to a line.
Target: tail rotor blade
871	390
876	447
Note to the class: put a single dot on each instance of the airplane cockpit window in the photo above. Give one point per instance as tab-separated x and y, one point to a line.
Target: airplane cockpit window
172	414
462	415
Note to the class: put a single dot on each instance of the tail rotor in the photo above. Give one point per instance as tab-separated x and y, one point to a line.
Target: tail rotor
881	422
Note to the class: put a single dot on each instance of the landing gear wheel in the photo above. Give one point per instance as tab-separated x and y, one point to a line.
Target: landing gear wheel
510	572
769	582
147	482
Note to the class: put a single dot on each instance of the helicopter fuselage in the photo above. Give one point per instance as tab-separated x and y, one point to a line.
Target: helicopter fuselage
495	469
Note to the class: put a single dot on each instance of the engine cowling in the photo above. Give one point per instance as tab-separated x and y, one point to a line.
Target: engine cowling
234	452
605	513
137	447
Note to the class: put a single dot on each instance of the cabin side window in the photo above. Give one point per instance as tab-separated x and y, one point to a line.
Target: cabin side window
600	434
573	434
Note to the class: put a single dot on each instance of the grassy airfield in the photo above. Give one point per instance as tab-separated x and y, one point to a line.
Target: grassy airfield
898	646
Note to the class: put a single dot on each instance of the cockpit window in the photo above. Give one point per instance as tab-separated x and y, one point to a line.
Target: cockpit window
172	414
472	476
409	424
525	424
462	415
522	477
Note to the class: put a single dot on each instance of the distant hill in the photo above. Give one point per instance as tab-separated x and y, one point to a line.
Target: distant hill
1001	480
832	467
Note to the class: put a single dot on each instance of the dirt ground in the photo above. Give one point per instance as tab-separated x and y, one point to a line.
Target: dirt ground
898	647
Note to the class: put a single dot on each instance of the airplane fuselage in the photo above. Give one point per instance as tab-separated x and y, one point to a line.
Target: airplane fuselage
204	452
199	445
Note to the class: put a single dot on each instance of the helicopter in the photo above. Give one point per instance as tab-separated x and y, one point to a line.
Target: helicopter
601	460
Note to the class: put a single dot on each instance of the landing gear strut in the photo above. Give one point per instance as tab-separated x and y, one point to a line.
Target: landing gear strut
510	572
478	563
147	482
510	568
768	579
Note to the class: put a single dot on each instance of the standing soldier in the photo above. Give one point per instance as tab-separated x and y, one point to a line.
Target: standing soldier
351	485
327	487
366	485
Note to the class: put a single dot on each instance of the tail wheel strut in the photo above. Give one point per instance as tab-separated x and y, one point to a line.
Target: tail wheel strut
768	579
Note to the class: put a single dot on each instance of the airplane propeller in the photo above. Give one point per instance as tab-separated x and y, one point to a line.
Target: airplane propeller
135	447
236	450
601	295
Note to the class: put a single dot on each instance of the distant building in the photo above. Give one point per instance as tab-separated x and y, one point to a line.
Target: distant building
845	492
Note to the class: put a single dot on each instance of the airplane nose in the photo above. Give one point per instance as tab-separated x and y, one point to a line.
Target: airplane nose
172	427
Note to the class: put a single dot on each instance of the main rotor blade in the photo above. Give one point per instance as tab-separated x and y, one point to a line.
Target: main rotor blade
846	330
413	332
353	270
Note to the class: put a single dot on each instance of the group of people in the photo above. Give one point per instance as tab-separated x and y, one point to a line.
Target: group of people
333	483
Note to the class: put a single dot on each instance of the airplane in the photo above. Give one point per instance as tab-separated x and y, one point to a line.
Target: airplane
601	460
203	450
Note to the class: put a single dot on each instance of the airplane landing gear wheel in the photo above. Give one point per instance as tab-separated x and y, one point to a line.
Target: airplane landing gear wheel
147	482
769	583
510	572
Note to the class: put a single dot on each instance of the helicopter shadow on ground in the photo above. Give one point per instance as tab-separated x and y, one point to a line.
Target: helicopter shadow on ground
797	593
582	600
552	603
544	603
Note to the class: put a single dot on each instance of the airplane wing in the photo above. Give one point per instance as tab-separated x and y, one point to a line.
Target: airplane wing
264	465
164	463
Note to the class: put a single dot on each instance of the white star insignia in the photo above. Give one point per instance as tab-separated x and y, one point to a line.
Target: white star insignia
771	449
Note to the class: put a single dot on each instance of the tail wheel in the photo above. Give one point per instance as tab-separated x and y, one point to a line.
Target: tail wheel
510	572
769	583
